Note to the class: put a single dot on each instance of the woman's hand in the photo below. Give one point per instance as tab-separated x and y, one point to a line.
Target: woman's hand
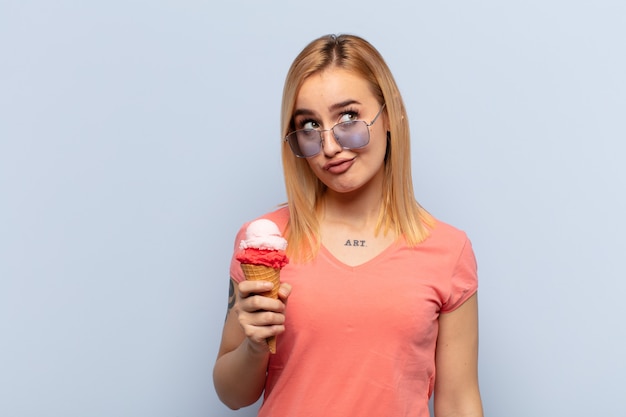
241	366
261	317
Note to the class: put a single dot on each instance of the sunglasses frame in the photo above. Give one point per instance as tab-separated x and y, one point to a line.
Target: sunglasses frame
320	132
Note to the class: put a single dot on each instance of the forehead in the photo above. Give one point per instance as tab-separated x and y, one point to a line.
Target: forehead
331	86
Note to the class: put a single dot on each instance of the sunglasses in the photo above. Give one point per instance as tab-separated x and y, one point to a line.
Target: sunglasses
353	134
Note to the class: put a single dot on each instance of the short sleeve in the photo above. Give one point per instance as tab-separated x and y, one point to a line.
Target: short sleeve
464	280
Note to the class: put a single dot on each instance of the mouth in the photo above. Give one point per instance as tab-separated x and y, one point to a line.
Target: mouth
339	166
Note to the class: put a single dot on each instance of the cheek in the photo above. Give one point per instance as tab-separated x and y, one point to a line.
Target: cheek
378	143
311	162
314	165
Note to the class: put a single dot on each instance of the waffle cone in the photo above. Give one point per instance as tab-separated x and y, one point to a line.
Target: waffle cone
264	273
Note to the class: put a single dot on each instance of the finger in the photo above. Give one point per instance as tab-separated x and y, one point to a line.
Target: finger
261	325
284	291
256	303
259	335
246	288
262	319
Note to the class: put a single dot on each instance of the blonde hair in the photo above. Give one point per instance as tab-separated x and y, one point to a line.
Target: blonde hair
399	210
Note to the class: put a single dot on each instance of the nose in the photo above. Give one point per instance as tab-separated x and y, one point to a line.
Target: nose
330	145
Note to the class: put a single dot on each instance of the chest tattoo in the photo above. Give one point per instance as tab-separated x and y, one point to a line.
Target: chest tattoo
355	242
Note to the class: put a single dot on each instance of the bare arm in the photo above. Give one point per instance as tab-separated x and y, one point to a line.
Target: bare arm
456	384
241	365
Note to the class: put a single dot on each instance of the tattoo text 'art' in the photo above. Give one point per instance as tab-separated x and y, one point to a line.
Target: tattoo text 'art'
354	242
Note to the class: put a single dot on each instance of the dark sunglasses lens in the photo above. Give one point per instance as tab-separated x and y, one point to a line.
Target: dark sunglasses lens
305	143
352	135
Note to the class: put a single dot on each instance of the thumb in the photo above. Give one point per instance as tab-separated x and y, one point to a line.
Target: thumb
284	290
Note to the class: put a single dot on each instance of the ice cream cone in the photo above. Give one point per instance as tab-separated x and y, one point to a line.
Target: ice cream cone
264	273
261	256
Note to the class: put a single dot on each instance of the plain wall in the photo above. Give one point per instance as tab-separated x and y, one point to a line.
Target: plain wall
137	136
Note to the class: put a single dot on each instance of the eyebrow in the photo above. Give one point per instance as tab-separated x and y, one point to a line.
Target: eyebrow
332	108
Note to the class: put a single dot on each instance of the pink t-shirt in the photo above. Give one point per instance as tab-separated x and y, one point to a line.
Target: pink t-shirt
360	341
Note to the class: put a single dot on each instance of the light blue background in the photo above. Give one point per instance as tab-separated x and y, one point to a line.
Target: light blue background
137	136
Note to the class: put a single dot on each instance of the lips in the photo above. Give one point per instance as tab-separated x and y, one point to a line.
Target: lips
339	166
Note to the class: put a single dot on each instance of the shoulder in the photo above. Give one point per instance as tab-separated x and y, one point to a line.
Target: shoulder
462	270
443	233
449	241
280	216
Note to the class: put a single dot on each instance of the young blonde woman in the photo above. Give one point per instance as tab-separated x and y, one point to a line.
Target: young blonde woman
377	308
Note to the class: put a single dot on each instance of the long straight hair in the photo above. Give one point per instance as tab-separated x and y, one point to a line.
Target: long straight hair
399	211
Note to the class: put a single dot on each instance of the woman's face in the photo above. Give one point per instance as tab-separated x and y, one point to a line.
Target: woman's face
330	97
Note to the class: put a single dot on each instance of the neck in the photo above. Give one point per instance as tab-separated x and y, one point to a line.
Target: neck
360	207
